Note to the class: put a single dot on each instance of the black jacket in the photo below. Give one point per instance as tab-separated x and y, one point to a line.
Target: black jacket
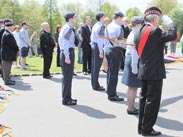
151	65
9	47
46	41
85	33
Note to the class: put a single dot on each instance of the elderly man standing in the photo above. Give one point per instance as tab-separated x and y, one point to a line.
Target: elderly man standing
149	41
66	43
47	44
8	52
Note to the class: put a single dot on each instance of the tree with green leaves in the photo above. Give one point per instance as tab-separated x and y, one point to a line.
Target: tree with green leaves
133	12
164	6
177	17
52	14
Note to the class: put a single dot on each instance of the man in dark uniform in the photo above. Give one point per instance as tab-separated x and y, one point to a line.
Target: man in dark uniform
151	67
9	51
85	45
47	44
67	55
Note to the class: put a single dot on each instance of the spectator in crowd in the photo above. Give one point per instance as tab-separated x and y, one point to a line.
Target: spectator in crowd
24	45
181	41
47	45
9	51
80	53
104	63
86	47
17	38
58	28
173	45
2	29
126	31
34	43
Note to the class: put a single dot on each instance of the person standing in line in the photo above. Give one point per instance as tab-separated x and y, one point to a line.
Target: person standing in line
85	45
34	43
113	53
47	45
131	67
24	45
67	55
149	41
97	50
58	28
8	52
80	52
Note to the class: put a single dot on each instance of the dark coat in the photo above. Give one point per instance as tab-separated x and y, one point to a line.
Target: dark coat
85	33
126	31
151	65
9	47
46	41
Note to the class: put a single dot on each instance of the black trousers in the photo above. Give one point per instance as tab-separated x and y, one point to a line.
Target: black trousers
150	98
96	64
113	57
87	59
58	57
67	72
47	57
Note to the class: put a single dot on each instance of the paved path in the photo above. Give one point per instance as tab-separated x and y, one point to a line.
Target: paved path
37	111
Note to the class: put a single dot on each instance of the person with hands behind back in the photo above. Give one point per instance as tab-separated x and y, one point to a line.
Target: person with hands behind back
67	54
149	41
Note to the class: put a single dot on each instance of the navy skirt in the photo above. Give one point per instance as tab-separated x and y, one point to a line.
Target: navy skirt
128	78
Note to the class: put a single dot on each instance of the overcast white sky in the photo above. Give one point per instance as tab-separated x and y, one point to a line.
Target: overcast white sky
122	4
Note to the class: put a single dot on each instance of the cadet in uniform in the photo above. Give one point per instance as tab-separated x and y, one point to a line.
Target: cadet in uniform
149	41
66	43
113	54
47	44
97	50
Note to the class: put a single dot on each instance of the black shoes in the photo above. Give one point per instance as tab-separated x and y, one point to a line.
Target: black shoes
10	82
70	102
151	133
47	77
85	73
101	88
115	98
134	112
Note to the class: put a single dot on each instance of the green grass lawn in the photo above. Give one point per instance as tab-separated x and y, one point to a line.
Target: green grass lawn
36	66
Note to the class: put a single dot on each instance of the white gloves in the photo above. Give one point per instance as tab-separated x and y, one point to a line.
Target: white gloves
166	20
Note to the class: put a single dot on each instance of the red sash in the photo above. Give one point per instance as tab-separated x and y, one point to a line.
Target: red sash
143	40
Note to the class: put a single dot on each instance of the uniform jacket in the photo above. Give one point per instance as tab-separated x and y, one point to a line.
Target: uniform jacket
151	65
85	33
46	41
9	47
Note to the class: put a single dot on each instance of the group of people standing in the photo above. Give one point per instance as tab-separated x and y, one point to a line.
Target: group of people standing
104	42
144	65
